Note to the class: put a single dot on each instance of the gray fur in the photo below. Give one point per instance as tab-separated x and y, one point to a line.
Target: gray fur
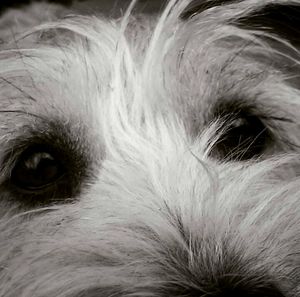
138	107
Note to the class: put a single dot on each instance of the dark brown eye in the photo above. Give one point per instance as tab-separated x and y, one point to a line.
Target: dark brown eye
245	137
36	170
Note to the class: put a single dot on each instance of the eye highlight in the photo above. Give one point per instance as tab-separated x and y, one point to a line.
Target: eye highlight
36	169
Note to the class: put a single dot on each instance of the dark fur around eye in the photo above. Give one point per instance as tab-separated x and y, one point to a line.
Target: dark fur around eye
244	134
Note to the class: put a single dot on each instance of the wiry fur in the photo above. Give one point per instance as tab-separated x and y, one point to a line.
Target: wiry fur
157	211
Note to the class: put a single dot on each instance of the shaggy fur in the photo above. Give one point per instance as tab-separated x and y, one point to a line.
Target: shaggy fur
178	136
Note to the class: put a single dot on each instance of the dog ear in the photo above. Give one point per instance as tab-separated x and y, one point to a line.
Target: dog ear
281	18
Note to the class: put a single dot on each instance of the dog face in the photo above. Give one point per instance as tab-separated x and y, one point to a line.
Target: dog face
152	155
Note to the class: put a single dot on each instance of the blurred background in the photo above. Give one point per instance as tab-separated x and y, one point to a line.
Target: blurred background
113	7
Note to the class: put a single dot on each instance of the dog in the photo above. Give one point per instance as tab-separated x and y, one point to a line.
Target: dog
151	154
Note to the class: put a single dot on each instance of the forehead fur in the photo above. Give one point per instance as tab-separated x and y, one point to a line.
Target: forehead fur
131	64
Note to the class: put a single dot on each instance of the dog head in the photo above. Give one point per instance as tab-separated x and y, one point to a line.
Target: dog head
152	155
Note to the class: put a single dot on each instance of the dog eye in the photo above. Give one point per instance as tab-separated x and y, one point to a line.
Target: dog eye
36	170
245	137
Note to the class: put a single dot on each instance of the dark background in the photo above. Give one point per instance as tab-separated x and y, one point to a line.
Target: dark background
90	6
4	4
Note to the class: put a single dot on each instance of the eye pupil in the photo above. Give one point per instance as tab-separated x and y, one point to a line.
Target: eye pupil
36	170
